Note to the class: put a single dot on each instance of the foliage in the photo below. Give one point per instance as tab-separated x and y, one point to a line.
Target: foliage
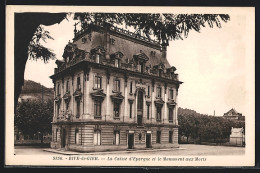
164	27
34	87
36	50
204	127
34	116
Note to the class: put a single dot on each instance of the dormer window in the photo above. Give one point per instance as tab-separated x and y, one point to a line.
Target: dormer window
116	58
97	54
97	58
140	59
160	73
116	62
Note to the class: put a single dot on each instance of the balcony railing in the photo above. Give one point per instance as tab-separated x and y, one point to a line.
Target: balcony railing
65	116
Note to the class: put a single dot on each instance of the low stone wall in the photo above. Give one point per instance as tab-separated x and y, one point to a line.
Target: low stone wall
55	145
81	148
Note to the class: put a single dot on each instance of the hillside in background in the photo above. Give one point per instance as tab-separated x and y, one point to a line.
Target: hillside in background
34	90
186	111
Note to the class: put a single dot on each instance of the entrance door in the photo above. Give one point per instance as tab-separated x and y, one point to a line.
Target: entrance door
148	140
63	138
130	141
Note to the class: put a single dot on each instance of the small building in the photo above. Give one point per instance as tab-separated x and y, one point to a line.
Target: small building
232	114
237	137
114	90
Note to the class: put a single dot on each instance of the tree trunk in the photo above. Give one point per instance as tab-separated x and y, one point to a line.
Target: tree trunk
41	139
25	27
187	139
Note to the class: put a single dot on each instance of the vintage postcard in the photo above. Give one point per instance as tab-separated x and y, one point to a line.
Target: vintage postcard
130	86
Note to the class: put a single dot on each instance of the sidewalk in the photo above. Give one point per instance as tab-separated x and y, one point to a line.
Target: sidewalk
62	151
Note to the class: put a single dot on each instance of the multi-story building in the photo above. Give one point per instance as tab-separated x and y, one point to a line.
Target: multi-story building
232	114
114	90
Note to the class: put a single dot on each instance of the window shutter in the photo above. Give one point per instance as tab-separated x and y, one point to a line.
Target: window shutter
101	82
118	85
94	81
114	84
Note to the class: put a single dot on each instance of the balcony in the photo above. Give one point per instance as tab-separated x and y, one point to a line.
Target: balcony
65	116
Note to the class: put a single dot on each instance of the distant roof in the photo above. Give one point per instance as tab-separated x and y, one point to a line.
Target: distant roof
232	112
236	130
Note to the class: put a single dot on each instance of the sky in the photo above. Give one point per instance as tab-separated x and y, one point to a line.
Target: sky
210	63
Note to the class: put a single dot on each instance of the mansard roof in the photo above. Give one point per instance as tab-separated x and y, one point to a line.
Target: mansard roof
126	36
132	52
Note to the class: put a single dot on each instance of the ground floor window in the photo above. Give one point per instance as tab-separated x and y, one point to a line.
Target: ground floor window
116	140
170	136
76	136
158	137
97	137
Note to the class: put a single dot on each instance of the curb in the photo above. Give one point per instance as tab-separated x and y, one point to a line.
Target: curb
106	152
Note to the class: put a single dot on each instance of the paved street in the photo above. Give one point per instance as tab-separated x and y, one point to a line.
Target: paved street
185	149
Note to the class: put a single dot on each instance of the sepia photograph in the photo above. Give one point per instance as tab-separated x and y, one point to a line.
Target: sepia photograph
130	86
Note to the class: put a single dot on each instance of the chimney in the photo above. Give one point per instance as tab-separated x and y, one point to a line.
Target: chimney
107	39
164	50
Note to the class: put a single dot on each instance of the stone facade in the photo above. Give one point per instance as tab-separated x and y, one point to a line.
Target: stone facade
114	90
237	137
